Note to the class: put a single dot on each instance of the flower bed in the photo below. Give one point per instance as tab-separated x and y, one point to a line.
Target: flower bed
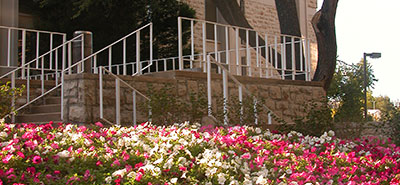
186	154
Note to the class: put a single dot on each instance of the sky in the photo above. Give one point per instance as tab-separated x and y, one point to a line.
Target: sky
371	26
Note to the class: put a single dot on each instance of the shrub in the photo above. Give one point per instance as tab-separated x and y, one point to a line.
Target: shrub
6	95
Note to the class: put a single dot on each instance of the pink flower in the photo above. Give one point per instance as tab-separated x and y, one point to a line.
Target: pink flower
246	156
138	165
56	172
37	159
99	124
20	154
98	163
7	158
138	176
86	175
54	146
116	163
182	168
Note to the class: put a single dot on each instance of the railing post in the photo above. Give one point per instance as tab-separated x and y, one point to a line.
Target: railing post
124	57
9	47
255	112
209	85
23	54
248	57
241	103
110	59
216	46
293	60
191	43
101	92
138	64
13	96
269	118
37	49
238	62
117	102
266	56
51	53
28	78
134	107
309	60
203	25
227	48
151	46
180	47
225	89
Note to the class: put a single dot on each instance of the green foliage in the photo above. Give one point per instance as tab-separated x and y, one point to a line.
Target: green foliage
390	116
6	95
346	92
167	107
110	20
317	121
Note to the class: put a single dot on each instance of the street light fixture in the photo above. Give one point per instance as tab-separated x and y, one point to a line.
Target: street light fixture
371	55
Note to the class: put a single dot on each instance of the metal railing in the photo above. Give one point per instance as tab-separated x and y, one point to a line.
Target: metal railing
123	65
93	58
62	57
23	44
252	53
118	82
225	73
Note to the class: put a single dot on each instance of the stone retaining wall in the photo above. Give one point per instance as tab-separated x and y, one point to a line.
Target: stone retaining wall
81	93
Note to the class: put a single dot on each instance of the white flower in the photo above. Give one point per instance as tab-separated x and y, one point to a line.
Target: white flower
108	179
3	135
221	178
331	133
158	161
63	154
247	182
261	180
258	130
234	182
120	173
174	180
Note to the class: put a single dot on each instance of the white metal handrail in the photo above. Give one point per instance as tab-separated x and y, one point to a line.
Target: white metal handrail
118	82
20	34
269	44
93	57
241	87
124	51
27	68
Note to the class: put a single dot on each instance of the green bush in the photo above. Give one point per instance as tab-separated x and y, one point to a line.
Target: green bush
6	95
317	121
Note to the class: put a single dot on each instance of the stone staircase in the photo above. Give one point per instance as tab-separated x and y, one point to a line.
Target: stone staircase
43	112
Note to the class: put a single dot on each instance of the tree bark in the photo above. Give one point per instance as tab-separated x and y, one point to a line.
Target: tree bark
324	26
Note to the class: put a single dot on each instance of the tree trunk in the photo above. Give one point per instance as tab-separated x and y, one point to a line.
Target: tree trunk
324	26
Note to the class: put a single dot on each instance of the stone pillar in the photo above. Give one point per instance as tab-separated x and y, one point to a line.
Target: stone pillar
8	17
87	50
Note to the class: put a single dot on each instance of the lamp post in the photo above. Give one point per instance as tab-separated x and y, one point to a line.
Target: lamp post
371	55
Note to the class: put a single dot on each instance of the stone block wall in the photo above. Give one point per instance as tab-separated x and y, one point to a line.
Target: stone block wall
81	94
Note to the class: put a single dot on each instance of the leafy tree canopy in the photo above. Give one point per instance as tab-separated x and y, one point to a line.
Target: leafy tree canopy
109	20
346	91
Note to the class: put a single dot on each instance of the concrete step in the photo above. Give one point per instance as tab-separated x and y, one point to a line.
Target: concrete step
52	100
48	108
39	117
